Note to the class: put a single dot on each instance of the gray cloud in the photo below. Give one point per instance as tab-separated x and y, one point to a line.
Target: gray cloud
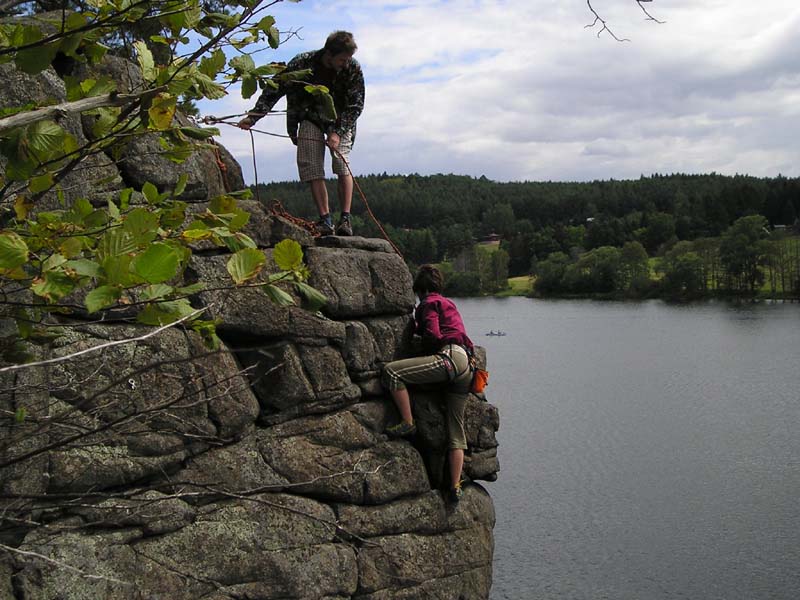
518	90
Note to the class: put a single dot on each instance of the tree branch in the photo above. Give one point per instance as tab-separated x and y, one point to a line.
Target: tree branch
599	19
77	106
60	564
104	346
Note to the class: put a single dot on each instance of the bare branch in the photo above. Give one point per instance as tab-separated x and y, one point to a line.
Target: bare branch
104	346
649	16
61	565
77	106
599	19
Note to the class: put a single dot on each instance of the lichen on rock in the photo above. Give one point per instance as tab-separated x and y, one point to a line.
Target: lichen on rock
159	469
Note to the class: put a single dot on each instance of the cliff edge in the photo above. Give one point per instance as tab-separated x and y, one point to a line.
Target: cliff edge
158	469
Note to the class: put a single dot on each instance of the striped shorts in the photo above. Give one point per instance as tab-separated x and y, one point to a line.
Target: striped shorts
311	152
436	368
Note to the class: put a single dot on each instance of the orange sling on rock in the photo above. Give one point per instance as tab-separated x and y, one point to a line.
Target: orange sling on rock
480	380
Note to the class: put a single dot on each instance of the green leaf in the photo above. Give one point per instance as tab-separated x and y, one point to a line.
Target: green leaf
161	111
157	291
22	206
222	205
125	198
20	414
278	296
83	267
157	264
146	62
239	220
150	192
249	86
41	183
208	87
238	241
242	64
113	210
53	262
142	225
210	66
246	264
35	60
102	297
94	52
208	331
313	299
198	133
288	255
266	23
71	247
193	235
13	250
188	290
193	15
162	313
117	271
173	216
181	185
115	242
274	37
45	138
53	286
76	21
105	119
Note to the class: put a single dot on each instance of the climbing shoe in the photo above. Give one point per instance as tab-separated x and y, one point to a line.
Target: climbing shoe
324	227
402	429
455	494
345	227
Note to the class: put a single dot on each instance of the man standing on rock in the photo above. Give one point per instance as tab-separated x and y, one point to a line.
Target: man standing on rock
311	127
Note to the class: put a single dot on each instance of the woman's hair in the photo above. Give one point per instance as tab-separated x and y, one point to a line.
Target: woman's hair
341	42
429	279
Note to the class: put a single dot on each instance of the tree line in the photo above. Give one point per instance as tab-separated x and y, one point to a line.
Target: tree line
436	218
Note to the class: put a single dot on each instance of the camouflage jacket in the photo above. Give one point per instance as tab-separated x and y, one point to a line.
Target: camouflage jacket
347	92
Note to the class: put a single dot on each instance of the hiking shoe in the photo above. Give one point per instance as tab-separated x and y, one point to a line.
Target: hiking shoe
344	227
402	429
324	227
455	494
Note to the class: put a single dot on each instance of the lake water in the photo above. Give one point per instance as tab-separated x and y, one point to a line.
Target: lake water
647	450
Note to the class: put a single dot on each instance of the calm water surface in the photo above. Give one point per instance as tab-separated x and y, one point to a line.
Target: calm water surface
647	450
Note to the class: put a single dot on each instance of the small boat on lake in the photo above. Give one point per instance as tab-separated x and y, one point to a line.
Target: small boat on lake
497	333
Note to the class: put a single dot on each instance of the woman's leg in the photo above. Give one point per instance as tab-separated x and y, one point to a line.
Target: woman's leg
403	403
456	460
399	373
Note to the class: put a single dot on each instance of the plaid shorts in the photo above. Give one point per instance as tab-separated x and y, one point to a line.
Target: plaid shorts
311	152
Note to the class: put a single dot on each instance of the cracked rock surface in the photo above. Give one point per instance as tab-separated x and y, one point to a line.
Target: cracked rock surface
161	470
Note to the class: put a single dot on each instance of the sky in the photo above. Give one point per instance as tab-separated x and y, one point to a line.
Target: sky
521	90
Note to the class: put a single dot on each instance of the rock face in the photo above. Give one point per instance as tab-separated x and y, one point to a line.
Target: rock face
157	469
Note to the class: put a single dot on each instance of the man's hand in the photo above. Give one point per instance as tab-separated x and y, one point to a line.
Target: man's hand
246	123
333	140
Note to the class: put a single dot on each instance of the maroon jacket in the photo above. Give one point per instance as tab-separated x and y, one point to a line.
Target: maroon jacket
438	321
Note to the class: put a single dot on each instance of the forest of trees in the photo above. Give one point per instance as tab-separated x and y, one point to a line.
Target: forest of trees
593	237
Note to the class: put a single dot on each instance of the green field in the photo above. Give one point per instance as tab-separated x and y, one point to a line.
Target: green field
517	286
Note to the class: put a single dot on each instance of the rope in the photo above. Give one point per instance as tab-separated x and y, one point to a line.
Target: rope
278	210
223	168
366	204
210	119
255	166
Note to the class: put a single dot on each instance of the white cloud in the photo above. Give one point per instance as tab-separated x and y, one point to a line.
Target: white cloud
519	90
